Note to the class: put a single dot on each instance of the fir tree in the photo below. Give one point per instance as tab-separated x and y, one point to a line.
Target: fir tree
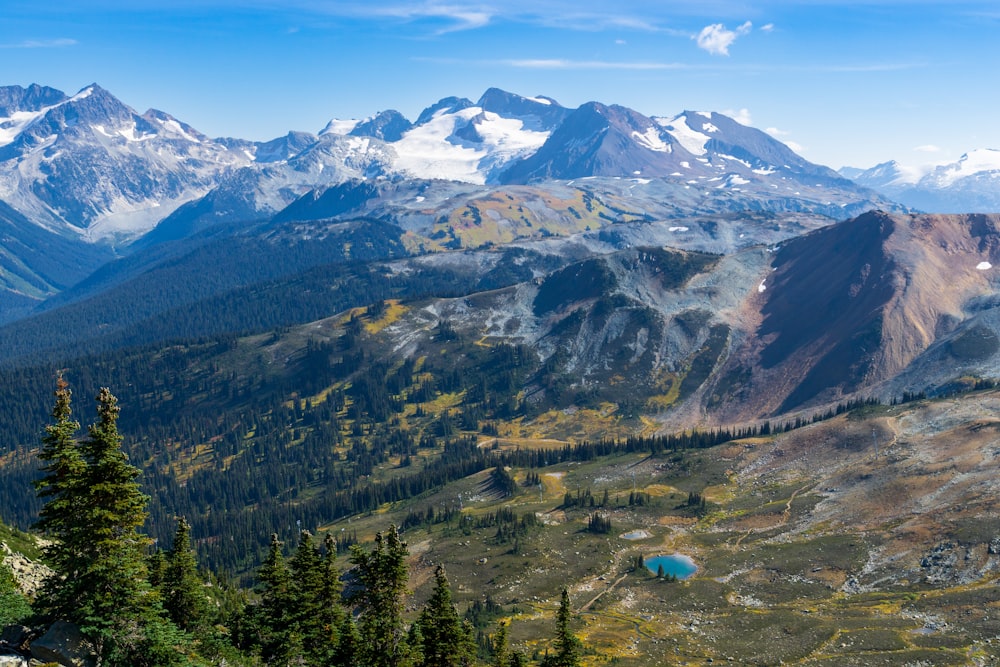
112	571
445	641
382	574
95	510
567	644
501	651
276	605
348	640
182	589
59	518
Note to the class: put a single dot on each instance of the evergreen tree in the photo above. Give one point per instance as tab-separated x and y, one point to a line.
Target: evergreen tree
182	589
348	641
445	641
382	574
113	591
94	511
59	518
567	644
316	599
501	651
331	612
276	606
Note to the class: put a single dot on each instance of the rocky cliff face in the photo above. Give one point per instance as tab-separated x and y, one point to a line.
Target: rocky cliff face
28	574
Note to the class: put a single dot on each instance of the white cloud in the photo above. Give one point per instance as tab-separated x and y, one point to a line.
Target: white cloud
795	146
775	132
928	148
741	116
40	44
767	28
462	17
556	63
620	42
716	38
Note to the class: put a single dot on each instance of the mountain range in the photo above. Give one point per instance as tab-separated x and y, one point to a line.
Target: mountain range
505	301
109	181
970	184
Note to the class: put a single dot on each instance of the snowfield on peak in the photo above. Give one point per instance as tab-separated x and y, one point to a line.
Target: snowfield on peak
433	150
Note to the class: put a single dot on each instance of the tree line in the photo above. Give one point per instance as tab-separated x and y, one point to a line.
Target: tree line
142	606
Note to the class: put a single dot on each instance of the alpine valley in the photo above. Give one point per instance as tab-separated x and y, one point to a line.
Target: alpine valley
545	342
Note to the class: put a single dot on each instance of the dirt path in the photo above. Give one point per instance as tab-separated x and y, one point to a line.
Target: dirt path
606	590
785	516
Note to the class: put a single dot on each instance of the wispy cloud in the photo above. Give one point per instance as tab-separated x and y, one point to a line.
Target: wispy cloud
716	38
741	116
562	64
769	27
778	134
927	148
558	63
40	44
460	17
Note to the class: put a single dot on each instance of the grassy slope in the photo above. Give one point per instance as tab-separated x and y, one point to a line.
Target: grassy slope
803	560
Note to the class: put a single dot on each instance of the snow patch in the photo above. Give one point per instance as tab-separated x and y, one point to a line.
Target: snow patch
540	100
678	229
708	127
762	286
692	140
652	140
983	266
337	126
704	114
431	150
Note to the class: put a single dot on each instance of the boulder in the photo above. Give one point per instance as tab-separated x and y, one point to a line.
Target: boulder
63	643
15	637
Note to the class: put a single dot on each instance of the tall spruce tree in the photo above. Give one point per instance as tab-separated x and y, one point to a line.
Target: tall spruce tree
276	610
59	519
567	644
182	590
382	574
112	601
501	650
445	640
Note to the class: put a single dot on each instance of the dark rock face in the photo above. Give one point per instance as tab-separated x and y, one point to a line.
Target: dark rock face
63	644
387	126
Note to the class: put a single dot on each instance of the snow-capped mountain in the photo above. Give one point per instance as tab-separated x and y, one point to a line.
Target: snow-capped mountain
970	184
90	164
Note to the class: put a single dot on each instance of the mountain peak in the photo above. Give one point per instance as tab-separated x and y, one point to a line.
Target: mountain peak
449	104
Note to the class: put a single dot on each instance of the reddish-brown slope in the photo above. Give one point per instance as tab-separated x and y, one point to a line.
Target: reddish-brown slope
851	305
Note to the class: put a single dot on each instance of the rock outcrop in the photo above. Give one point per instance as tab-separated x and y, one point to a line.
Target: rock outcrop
28	574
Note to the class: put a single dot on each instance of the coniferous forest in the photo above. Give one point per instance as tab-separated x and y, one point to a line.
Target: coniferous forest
138	604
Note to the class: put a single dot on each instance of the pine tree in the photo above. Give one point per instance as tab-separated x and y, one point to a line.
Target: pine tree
567	644
94	511
182	589
445	641
276	605
348	641
59	518
501	651
112	573
382	574
315	600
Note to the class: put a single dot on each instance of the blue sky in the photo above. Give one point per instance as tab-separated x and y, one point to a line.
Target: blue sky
842	81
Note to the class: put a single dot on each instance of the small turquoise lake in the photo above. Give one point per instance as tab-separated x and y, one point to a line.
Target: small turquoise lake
676	565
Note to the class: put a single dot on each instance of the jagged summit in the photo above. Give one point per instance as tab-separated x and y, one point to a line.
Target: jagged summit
90	165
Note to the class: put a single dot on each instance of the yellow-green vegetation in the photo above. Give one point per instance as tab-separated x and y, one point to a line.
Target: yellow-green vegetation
781	580
515	213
